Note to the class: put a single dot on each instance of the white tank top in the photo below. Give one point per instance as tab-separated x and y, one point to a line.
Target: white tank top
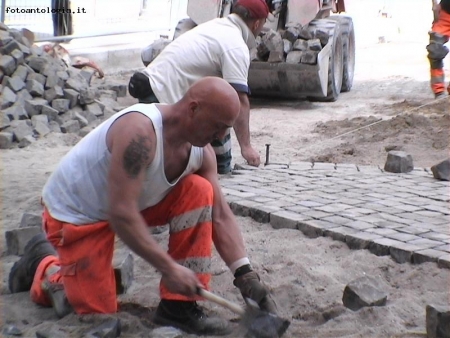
77	193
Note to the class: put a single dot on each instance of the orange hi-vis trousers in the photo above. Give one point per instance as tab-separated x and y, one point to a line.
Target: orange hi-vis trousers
85	252
442	27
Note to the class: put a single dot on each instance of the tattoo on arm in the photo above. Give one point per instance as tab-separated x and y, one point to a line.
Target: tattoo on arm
136	155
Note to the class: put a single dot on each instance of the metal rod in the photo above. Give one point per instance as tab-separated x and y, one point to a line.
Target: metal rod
267	153
71	37
2	12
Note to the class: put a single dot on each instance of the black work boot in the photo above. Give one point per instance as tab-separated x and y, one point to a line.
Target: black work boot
55	292
22	273
189	317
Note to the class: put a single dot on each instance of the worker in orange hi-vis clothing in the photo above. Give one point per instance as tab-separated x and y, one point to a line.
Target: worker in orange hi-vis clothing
147	165
439	36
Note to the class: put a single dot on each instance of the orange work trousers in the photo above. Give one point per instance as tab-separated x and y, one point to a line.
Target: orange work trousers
85	252
441	26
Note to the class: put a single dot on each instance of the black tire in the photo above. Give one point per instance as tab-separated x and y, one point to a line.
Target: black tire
336	61
348	43
183	26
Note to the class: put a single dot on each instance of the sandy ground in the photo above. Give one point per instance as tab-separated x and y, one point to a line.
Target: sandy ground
307	276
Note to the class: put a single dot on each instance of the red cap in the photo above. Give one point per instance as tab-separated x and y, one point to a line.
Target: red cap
257	8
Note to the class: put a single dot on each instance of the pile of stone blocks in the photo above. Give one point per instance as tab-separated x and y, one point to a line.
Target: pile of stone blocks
293	45
40	93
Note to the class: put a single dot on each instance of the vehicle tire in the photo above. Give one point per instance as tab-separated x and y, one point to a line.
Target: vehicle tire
336	61
348	45
183	26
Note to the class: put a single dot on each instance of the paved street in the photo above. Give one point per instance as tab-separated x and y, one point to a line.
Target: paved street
406	216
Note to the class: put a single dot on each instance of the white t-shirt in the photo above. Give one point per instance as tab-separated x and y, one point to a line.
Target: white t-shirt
219	47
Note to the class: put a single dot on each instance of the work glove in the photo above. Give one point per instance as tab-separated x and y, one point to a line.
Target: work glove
139	86
251	287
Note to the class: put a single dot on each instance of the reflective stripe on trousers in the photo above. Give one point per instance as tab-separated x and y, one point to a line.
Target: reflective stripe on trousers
85	252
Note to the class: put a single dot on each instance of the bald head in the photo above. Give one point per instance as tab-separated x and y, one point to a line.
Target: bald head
217	95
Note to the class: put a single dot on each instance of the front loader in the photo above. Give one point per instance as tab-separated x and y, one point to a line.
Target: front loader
303	52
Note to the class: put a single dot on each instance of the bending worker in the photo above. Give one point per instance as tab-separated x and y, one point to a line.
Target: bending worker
439	36
148	165
219	47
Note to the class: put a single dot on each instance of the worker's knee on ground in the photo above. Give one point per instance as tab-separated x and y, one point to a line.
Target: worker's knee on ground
139	86
198	186
436	54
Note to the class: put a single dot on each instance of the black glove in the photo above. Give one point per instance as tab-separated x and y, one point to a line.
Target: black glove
139	86
251	287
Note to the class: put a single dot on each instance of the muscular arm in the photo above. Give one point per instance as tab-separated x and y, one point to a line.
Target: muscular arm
132	143
227	235
242	130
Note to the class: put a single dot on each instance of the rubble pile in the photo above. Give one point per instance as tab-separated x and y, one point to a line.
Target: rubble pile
40	93
293	45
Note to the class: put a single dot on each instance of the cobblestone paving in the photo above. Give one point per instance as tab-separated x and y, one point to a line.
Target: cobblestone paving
406	216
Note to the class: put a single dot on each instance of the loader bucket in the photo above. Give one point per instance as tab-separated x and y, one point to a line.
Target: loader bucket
290	81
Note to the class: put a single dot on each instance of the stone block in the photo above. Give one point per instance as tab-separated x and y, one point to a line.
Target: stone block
109	329
18	56
83	121
398	162
37	77
87	96
4	119
287	46
243	207
76	84
119	88
34	106
441	171
322	35
275	56
309	57
285	219
61	105
30	220
305	34
362	292
21	72
294	57
35	88
17	239
72	96
54	93
310	229
37	63
291	34
438	321
50	112
315	45
7	64
87	74
89	116
72	126
95	109
16	112
26	141
6	140
7	98
54	127
123	270
20	129
15	83
301	45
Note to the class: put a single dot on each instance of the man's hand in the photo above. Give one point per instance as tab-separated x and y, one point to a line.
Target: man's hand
251	287
251	156
182	280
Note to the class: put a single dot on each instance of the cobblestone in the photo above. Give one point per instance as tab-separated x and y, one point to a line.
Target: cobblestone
406	216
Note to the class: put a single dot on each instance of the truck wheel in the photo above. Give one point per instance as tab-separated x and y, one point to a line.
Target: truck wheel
336	61
183	26
348	46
